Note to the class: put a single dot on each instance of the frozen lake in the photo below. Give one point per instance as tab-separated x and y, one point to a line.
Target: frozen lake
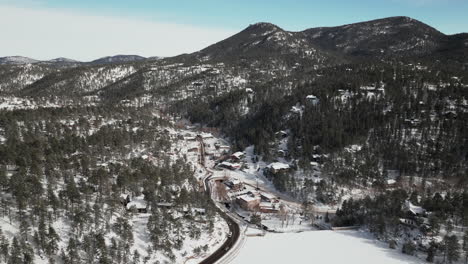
350	247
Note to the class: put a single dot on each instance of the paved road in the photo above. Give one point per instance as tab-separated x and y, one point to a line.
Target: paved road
233	226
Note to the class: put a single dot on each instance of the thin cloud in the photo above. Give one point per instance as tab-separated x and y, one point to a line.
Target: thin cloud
426	2
50	33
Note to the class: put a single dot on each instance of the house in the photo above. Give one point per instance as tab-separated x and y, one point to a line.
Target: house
237	156
282	153
234	184
198	211
277	167
248	202
229	165
206	135
165	205
281	134
297	109
138	203
197	84
413	210
408	222
224	147
11	168
390	183
267	197
312	99
267	207
317	157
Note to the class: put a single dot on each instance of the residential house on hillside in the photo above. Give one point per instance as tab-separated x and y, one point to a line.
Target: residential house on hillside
234	184
312	99
229	165
248	202
414	211
138	203
277	167
237	156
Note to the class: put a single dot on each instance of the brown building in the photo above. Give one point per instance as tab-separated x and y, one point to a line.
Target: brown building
248	202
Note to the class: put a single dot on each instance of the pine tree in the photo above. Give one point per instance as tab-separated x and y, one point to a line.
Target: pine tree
52	241
452	248
136	257
431	252
465	245
3	178
15	253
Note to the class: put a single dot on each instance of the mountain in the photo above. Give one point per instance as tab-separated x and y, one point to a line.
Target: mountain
262	53
262	40
16	60
388	36
117	59
401	36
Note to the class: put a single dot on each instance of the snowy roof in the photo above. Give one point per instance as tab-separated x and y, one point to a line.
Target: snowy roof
138	202
313	97
266	205
278	166
282	132
296	109
229	164
238	154
391	181
414	209
268	195
198	210
207	135
235	181
247	198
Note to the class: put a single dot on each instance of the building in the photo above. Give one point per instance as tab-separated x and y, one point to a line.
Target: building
408	222
268	208
234	184
267	197
277	167
165	205
414	211
138	203
281	134
312	99
237	156
229	165
248	202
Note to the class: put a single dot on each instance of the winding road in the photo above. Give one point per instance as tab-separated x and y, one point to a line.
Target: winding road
234	230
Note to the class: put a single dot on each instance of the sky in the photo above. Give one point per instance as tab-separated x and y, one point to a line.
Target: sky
89	29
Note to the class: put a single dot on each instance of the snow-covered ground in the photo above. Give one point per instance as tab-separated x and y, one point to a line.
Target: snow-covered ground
350	247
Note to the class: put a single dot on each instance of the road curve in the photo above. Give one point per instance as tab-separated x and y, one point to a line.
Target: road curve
233	226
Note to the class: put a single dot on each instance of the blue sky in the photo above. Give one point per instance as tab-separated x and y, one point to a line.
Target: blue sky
449	16
83	29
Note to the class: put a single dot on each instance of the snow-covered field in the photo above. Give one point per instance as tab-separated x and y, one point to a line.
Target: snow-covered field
350	247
